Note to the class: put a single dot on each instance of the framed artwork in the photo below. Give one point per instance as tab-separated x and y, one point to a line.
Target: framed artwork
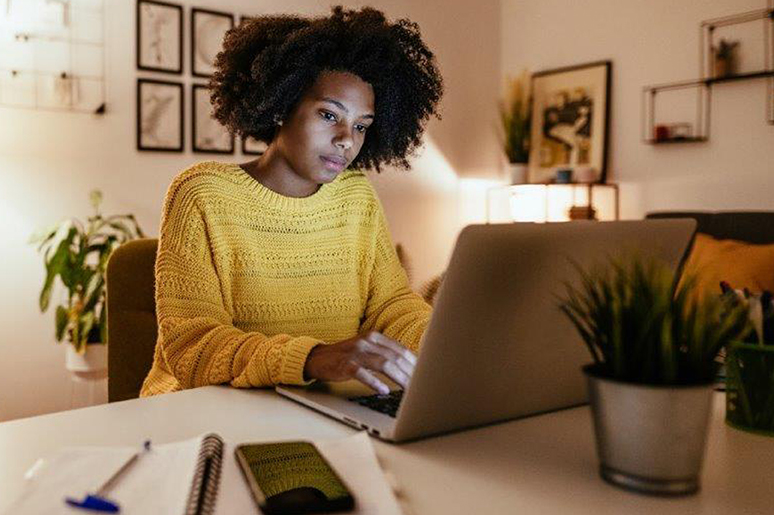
251	146
159	115
208	134
159	36
570	122
207	31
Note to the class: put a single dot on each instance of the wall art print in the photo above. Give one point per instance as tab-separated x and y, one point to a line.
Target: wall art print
208	134
207	31
570	121
159	36
159	115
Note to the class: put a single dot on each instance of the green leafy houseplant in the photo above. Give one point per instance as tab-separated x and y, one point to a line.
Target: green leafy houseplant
642	327
515	118
78	253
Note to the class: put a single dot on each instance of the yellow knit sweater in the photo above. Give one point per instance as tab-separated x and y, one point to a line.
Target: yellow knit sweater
248	281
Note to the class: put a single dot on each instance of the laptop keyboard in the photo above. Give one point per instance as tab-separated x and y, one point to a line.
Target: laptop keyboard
383	403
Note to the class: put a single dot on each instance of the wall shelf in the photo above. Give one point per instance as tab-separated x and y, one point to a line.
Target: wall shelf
54	65
699	130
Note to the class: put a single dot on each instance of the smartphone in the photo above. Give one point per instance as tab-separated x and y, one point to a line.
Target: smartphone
292	477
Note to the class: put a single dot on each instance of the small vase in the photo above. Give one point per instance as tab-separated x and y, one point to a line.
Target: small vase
517	173
89	366
650	438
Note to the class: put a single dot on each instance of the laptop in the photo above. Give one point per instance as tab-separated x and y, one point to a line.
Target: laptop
497	347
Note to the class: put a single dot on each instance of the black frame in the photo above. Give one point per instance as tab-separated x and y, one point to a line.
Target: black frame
194	87
138	41
608	64
248	152
179	85
194	12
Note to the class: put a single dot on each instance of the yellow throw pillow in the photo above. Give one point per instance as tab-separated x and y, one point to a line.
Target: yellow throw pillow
742	265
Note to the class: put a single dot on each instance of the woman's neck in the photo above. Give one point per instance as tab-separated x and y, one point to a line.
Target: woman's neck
274	172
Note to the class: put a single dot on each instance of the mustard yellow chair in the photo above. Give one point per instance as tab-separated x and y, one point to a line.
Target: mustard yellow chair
131	317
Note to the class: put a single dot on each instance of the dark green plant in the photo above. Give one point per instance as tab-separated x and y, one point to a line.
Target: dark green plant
515	118
642	327
725	49
77	254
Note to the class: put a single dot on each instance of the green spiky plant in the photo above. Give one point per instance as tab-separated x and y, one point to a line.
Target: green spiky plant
515	118
641	326
78	253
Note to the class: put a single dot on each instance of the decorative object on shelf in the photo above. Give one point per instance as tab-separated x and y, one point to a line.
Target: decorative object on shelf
159	36
251	146
724	62
515	118
750	366
717	64
52	55
208	134
552	202
682	131
563	176
159	115
77	253
651	380
207	31
570	121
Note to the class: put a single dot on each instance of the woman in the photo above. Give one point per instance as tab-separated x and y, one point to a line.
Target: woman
281	270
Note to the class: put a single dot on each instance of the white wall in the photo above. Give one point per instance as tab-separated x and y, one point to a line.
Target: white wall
650	42
49	162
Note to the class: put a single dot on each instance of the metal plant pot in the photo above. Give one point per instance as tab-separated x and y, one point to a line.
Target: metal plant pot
650	438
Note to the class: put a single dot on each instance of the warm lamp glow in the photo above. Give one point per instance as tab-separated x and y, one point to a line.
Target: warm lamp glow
552	203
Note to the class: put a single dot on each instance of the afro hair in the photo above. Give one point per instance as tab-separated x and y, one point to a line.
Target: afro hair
269	62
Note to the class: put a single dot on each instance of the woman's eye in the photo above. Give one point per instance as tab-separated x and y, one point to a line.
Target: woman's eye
328	116
360	128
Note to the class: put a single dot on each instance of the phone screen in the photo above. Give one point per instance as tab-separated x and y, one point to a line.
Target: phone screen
292	477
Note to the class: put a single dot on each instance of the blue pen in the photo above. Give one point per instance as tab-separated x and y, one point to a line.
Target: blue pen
97	501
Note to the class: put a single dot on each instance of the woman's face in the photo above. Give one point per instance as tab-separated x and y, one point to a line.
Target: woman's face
326	129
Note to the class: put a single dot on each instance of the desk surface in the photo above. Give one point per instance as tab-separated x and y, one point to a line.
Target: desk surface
543	464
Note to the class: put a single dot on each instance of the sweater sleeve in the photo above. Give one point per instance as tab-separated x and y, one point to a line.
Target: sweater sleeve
199	343
392	307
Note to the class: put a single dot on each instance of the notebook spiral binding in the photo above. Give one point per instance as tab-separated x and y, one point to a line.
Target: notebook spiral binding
204	489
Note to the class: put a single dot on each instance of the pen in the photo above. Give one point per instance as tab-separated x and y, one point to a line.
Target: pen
97	501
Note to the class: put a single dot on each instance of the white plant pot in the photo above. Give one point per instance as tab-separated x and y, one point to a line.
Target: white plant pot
89	366
517	173
650	438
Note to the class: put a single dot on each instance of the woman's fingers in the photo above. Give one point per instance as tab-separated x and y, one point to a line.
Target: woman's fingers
402	366
384	341
368	379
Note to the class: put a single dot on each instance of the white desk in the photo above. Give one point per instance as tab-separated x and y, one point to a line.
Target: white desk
544	464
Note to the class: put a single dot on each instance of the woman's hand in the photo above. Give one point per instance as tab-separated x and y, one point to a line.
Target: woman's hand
358	357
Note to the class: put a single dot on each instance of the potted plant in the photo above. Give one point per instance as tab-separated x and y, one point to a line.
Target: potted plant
725	62
515	119
653	346
77	254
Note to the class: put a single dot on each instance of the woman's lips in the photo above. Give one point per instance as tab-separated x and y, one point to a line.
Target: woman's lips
332	163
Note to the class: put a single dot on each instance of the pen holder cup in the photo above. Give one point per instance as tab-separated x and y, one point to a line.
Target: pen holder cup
750	388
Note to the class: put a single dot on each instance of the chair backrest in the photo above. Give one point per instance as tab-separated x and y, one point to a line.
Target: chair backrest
131	317
748	226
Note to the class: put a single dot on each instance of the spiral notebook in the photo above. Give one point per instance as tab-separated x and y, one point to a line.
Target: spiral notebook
175	478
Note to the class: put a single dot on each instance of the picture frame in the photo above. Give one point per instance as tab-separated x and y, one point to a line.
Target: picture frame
207	31
207	134
159	43
253	147
570	122
160	115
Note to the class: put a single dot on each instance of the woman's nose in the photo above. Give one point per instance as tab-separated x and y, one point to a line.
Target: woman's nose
343	139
